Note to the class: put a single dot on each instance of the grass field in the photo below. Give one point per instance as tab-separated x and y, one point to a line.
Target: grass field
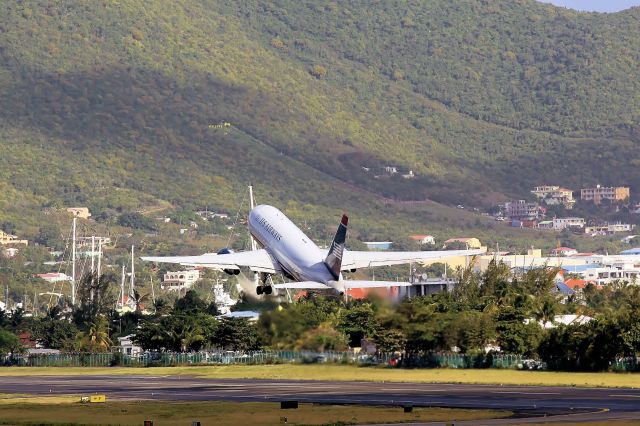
347	372
218	413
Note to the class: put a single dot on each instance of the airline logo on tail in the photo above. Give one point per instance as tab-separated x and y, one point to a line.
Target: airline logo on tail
334	258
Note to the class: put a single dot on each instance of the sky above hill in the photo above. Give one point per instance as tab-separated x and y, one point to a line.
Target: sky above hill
595	5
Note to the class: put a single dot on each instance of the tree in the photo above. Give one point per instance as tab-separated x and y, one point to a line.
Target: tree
9	343
139	299
49	236
136	221
94	296
179	332
323	338
357	322
55	333
96	338
318	71
236	334
191	302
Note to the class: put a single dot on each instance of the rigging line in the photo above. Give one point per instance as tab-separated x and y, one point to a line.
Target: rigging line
233	228
63	262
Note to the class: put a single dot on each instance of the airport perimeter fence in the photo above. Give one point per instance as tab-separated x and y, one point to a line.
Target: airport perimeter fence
391	360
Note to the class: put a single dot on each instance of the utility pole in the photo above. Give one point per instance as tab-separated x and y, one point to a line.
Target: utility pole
73	264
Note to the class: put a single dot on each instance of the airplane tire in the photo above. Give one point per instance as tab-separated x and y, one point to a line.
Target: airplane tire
259	290
268	289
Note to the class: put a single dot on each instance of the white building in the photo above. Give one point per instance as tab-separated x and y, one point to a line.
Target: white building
223	300
423	239
54	277
607	274
568	222
180	280
127	347
11	252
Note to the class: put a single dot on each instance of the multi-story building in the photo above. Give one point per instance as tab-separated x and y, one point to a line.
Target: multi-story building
554	195
520	209
568	222
10	239
180	279
599	193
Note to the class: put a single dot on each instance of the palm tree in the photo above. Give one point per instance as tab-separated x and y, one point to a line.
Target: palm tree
96	338
139	299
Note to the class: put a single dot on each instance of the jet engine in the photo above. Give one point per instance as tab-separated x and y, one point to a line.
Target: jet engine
227	250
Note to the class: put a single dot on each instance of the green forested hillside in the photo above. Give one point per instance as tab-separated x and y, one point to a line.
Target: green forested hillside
110	104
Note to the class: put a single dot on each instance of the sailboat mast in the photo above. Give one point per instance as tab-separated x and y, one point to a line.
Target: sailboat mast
93	251
73	264
133	273
122	288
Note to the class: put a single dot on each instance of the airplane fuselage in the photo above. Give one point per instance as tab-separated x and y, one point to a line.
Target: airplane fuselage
298	256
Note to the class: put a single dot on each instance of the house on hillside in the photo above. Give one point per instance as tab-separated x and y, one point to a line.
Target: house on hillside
423	239
470	243
554	195
521	209
81	212
11	252
54	277
180	280
563	252
568	222
6	239
599	193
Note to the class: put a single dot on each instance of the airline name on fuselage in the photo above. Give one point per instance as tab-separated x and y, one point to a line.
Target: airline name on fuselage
270	229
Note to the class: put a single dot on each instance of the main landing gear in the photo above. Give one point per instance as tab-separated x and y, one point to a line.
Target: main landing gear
264	289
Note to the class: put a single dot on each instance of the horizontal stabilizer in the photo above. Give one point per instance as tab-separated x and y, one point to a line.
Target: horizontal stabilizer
303	285
374	284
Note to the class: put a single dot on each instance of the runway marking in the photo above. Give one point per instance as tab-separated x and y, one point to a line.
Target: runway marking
528	393
626	396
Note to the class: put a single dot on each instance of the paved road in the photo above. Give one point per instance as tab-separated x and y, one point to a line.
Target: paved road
561	403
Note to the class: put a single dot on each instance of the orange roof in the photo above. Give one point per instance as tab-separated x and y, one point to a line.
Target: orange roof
574	283
362	293
564	249
419	237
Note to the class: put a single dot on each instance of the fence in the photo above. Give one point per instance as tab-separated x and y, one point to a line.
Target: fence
261	357
425	360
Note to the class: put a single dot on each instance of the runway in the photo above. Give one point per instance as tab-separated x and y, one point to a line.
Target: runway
558	404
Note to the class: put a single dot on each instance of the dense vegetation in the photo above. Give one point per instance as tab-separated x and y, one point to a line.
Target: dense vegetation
121	106
484	311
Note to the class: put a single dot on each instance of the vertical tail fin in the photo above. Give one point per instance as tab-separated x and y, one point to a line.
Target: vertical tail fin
334	258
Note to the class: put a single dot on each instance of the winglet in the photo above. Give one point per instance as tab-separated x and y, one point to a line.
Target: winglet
334	258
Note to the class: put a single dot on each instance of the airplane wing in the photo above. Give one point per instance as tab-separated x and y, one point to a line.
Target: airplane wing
256	260
366	259
303	285
373	284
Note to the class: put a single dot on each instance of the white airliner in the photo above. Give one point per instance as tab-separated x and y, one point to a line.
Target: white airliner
288	251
